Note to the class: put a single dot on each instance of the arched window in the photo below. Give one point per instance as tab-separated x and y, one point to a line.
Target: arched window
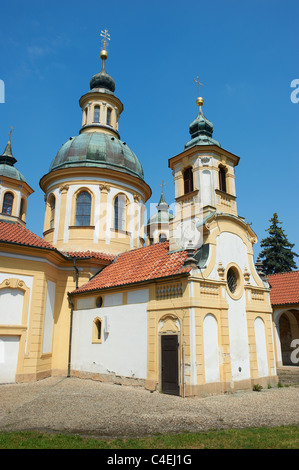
222	179
7	204
96	114
188	180
109	116
97	330
52	212
83	209
120	212
162	237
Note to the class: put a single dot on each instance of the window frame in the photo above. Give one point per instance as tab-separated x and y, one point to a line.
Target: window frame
10	204
222	178
109	117
97	330
96	109
117	217
84	206
188	180
52	209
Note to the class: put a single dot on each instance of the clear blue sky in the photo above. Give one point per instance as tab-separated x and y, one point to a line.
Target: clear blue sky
245	53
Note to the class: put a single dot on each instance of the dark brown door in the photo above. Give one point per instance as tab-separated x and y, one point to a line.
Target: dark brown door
170	364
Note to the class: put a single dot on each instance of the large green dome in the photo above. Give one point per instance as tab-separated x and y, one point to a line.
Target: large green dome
97	149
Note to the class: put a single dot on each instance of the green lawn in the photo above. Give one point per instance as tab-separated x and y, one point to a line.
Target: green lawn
284	437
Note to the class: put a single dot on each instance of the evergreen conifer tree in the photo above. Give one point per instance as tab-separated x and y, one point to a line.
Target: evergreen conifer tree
277	255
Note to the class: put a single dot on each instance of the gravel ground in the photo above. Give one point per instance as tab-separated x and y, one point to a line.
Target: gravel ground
87	407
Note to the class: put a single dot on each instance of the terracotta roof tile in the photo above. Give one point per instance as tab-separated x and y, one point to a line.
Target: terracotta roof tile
20	235
143	264
284	288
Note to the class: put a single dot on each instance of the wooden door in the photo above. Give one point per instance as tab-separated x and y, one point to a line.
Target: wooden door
170	364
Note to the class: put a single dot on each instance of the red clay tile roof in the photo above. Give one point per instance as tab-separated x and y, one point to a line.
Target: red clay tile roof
142	264
20	235
90	254
284	288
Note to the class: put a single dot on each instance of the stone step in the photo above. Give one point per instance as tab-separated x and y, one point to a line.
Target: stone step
288	375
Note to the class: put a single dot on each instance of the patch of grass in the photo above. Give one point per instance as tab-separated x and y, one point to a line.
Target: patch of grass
283	437
257	388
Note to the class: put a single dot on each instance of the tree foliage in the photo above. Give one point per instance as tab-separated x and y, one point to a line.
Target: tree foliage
277	255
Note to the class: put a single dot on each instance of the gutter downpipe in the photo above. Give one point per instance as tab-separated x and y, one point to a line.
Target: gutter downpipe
184	368
77	272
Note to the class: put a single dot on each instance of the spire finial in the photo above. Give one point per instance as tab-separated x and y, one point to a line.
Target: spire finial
7	156
163	184
199	100
106	37
10	132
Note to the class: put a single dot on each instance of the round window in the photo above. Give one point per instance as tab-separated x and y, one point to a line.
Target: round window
99	302
232	280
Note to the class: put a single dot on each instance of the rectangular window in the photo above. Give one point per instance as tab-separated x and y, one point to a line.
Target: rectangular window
96	114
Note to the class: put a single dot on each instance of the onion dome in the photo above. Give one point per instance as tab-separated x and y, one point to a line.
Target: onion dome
201	129
97	149
102	79
7	161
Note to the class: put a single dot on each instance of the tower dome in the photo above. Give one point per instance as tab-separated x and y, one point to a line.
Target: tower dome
102	80
201	129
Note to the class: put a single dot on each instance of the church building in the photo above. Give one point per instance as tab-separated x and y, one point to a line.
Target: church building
172	302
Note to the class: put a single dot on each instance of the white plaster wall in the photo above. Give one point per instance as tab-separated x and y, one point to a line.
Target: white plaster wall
230	248
207	188
122	352
211	353
49	317
138	296
261	348
97	214
85	302
57	195
9	349
28	280
11	306
238	336
111	300
193	365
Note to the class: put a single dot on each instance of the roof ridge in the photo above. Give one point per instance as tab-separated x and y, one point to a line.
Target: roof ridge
284	272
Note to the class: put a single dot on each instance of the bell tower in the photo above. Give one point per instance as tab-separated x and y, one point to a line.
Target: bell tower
204	180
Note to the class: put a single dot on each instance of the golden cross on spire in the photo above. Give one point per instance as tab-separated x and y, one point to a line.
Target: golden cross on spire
198	83
106	37
10	132
163	184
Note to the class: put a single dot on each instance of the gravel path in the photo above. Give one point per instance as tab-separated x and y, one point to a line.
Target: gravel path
86	407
